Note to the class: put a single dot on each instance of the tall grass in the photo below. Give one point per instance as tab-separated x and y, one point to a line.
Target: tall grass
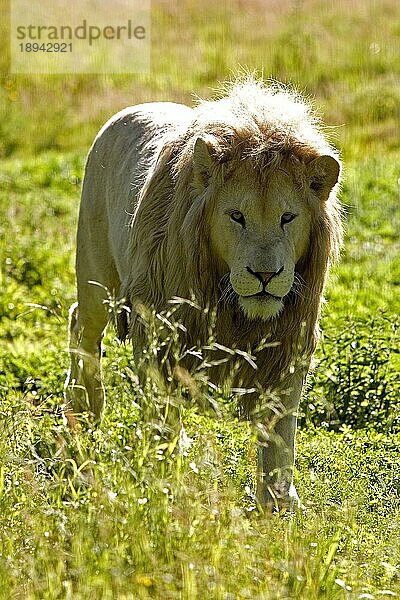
141	509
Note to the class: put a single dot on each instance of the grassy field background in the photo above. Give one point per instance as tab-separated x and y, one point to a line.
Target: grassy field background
166	515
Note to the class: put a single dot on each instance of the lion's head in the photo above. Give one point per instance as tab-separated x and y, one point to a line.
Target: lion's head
260	226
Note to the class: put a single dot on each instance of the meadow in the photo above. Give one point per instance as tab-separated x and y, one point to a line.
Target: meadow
167	513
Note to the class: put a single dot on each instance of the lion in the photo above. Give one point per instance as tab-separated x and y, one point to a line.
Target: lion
233	206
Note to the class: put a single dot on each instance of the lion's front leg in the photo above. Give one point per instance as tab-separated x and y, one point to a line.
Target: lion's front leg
276	455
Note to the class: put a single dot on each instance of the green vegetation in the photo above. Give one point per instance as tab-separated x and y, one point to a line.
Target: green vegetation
140	509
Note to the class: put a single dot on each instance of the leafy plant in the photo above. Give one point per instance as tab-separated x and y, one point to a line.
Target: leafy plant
357	380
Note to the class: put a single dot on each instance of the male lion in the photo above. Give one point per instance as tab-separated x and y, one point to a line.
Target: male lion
232	203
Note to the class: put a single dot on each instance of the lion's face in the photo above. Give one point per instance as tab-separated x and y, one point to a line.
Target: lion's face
259	234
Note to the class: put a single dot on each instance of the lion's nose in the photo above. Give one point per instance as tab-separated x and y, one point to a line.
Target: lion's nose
265	276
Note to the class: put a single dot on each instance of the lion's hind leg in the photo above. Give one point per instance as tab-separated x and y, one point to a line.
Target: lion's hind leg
84	391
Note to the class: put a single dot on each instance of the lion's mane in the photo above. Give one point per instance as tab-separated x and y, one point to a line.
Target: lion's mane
169	249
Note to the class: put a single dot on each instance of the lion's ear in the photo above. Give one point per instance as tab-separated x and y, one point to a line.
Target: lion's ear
203	161
323	174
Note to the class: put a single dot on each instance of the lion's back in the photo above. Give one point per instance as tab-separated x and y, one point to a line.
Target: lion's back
121	155
127	143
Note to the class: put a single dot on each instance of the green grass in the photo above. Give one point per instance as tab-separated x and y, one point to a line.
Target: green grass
136	509
345	55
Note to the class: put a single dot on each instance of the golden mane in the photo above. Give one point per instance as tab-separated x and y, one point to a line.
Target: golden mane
260	126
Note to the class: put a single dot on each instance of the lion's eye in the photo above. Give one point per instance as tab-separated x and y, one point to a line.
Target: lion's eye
286	218
238	217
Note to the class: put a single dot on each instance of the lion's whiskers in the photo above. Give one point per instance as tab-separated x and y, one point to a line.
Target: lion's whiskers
228	294
298	287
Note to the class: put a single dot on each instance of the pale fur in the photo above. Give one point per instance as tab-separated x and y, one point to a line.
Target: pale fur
145	233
